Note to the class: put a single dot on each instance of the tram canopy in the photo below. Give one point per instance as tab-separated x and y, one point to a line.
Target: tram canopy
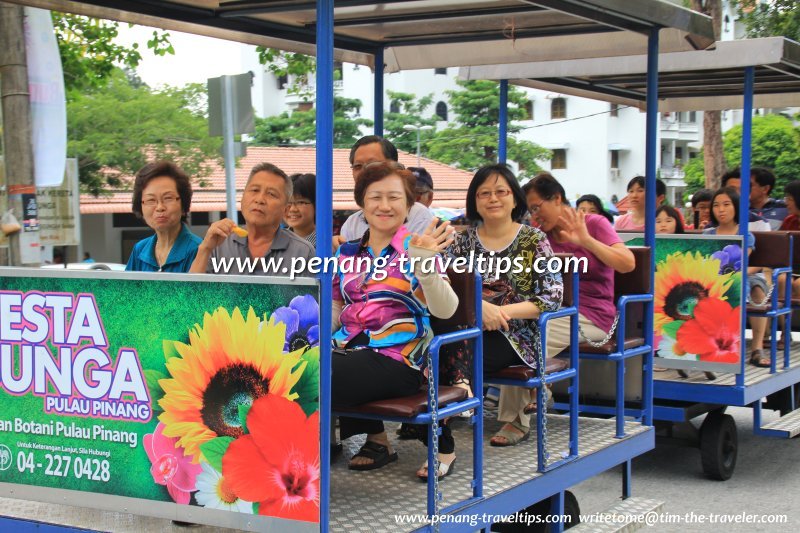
424	33
688	81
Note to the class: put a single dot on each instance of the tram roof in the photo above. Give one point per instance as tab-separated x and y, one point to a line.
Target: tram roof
687	81
424	33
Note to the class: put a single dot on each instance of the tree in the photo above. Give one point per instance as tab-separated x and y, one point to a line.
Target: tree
299	127
89	54
777	17
410	113
776	145
472	141
115	131
713	157
298	67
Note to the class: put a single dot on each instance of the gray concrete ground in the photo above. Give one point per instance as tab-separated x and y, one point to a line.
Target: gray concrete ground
766	481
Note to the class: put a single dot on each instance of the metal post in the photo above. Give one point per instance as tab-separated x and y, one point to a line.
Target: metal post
21	187
378	97
651	151
744	203
325	230
419	133
228	148
502	144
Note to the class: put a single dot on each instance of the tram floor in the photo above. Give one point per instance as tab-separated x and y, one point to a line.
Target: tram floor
376	500
752	374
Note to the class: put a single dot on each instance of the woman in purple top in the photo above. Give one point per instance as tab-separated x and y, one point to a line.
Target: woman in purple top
583	235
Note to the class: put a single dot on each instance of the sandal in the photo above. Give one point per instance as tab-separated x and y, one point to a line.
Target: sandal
444	470
757	358
377	452
532	406
512	438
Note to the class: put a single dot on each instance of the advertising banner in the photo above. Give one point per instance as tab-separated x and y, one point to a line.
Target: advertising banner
186	397
697	302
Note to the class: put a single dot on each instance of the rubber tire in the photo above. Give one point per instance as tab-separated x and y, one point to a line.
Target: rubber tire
719	446
571	508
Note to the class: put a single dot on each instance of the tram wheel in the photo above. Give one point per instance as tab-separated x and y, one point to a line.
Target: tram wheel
719	446
571	509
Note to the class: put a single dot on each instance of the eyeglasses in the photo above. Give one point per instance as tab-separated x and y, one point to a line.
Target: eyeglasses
166	200
534	208
299	203
500	193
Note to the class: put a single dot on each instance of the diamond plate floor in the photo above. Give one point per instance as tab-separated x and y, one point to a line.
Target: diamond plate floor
371	501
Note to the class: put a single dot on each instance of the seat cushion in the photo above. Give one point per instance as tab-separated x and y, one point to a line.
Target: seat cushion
407	406
611	346
524	372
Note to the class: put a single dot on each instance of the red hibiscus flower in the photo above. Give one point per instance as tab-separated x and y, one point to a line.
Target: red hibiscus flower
277	463
714	332
170	466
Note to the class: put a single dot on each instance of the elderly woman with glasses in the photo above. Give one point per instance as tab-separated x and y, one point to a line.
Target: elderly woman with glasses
514	294
162	195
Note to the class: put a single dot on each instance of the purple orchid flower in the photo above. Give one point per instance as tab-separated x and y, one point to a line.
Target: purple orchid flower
302	322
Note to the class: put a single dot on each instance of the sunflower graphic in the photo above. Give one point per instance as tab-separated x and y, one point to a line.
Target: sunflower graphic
228	364
682	280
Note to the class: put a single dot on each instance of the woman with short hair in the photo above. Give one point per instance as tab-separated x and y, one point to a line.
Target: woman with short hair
162	196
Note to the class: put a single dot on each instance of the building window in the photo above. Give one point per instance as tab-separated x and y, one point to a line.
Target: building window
394	107
692	116
441	111
614	158
614	111
678	155
338	71
440	71
282	81
528	110
559	160
558	108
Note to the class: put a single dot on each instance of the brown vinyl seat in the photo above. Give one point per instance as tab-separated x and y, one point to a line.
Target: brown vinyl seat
524	372
771	250
611	346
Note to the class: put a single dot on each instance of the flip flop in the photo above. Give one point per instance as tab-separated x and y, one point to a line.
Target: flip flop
377	452
444	470
512	438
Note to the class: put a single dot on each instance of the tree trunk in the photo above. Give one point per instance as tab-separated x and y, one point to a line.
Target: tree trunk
713	155
17	147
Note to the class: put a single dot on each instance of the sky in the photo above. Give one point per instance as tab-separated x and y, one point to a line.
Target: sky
196	58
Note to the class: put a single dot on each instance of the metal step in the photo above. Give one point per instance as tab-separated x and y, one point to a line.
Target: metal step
788	424
623	517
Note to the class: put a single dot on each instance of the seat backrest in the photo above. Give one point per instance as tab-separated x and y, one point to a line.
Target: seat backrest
463	284
795	251
636	281
771	250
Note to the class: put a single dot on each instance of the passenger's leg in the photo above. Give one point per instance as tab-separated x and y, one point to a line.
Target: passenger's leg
758	292
363	376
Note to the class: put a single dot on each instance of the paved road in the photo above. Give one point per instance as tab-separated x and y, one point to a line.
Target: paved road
766	480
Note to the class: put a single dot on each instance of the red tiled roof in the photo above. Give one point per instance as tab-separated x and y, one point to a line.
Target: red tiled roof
450	183
624	205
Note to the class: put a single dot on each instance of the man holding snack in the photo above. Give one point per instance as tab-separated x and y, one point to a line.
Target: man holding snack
263	248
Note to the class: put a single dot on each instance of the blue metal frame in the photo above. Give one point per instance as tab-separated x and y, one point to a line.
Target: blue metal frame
378	94
570	373
502	137
473	333
324	220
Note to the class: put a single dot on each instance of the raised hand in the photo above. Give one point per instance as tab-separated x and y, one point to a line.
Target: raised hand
572	227
217	232
435	238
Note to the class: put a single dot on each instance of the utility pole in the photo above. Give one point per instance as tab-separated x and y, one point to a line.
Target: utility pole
20	187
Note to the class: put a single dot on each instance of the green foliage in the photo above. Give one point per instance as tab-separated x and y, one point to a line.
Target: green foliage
410	113
123	127
776	145
472	141
765	19
89	54
289	64
299	127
